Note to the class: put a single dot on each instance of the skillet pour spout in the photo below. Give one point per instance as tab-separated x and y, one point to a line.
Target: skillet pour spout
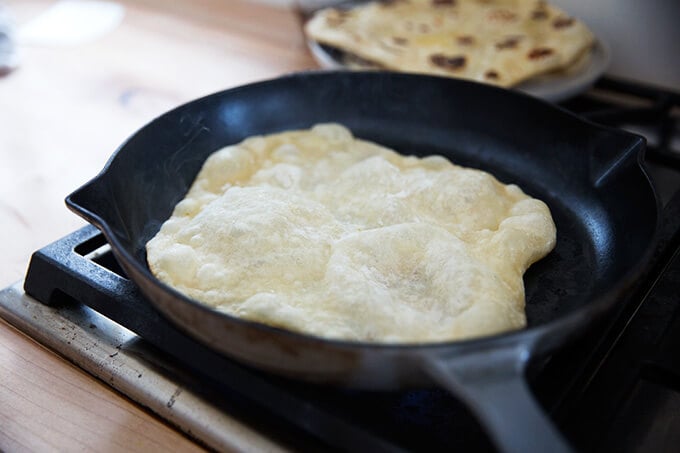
591	177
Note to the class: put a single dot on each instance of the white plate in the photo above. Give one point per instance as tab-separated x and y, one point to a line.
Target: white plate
553	87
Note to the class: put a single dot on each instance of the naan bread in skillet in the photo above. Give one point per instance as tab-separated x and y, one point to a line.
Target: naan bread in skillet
501	42
322	233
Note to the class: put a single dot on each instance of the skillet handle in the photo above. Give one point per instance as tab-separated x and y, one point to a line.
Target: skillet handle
492	385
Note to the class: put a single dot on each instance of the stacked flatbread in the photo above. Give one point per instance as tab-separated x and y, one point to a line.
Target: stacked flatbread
318	232
501	42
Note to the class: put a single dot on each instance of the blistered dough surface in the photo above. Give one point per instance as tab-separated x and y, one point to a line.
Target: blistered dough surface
319	232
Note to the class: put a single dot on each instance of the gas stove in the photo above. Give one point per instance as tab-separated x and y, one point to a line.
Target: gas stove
617	388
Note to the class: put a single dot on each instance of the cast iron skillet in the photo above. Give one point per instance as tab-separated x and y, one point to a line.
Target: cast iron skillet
603	204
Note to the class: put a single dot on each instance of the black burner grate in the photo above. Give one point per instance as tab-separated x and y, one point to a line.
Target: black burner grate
646	110
81	269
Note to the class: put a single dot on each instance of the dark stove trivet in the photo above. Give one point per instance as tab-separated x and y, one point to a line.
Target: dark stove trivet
80	268
635	106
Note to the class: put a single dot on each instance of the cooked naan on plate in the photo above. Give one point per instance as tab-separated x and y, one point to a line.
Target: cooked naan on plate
500	42
322	233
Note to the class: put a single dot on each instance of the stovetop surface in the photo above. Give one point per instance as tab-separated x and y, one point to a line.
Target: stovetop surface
615	388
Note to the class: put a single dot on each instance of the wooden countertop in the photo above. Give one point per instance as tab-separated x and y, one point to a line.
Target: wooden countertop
62	114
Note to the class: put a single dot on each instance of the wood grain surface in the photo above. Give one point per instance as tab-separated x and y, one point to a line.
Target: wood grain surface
62	114
47	404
